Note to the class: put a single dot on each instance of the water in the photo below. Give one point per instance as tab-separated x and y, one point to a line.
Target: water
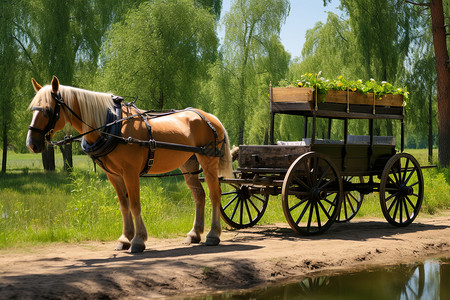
428	280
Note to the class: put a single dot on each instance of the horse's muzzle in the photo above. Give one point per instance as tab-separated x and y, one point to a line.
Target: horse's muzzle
35	142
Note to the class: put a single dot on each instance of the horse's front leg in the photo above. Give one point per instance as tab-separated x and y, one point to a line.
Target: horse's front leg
198	193
132	185
128	226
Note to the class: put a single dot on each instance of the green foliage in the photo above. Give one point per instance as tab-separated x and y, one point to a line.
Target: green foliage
252	57
322	85
160	53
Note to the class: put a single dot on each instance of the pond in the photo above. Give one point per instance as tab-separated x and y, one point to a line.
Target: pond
428	280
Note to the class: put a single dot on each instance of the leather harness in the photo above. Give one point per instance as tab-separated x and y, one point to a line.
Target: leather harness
111	137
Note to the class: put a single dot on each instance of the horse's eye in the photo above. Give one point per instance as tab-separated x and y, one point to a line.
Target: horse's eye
48	112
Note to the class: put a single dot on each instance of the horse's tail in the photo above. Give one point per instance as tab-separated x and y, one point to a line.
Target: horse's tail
226	161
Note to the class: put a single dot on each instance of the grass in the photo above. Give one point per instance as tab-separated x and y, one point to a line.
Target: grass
38	207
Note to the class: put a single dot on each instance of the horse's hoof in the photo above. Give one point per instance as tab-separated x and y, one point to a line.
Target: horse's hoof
122	246
212	241
191	240
137	248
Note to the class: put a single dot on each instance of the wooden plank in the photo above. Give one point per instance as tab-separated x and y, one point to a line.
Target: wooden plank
292	94
363	99
269	156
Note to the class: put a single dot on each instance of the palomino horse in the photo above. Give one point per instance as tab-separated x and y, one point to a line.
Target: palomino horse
86	110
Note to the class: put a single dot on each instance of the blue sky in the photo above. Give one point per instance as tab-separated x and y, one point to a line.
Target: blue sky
303	15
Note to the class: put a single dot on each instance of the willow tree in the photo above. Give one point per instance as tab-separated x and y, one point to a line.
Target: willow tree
160	53
249	27
8	56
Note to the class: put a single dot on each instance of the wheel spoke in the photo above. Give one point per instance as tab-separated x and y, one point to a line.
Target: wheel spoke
229	193
350	203
300	181
406	209
253	204
324	210
323	175
393	182
298	204
311	211
389	198
231	201
393	202
248	211
260	199
396	207
300	217
235	209
410	203
328	183
410	175
318	216
406	170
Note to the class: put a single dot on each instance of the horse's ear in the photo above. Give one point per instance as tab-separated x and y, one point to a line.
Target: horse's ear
36	85
55	84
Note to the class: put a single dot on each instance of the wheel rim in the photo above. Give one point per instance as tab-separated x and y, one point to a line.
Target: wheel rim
241	206
351	201
401	189
311	194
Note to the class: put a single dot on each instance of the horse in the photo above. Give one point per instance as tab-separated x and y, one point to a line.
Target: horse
87	111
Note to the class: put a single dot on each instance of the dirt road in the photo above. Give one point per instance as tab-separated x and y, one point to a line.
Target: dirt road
245	258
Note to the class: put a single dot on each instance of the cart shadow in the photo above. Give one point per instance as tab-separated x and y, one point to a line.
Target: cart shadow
355	231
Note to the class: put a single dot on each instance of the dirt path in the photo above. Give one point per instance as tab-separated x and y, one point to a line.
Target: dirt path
245	258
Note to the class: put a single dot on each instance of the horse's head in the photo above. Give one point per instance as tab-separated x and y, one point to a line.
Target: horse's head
46	107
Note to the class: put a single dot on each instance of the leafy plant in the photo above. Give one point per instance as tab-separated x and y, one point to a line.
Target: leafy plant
322	85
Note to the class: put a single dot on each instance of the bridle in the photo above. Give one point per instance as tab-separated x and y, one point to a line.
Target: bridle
53	116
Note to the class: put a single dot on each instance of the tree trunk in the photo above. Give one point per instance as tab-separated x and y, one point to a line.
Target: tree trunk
48	158
443	80
66	151
5	147
430	129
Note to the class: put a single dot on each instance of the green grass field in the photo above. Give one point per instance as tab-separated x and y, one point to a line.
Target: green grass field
38	207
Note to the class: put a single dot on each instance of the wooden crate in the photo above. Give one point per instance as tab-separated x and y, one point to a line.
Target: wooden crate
295	94
336	104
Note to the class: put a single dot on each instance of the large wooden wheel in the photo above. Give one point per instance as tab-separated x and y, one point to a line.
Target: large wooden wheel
311	193
242	206
401	189
352	200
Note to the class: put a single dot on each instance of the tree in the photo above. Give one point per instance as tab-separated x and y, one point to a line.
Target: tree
160	53
8	56
438	28
249	27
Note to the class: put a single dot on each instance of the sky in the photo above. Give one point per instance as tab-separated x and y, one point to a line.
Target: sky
304	15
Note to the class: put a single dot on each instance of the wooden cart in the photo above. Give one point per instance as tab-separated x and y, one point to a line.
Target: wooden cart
322	180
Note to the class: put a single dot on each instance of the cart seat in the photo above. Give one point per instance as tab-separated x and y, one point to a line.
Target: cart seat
351	139
365	140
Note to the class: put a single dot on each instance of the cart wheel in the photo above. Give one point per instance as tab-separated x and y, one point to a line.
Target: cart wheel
242	206
352	200
311	194
401	189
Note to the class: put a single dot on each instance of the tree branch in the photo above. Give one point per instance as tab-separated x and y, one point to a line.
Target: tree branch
420	4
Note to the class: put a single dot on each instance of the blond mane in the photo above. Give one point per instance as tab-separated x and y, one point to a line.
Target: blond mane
93	105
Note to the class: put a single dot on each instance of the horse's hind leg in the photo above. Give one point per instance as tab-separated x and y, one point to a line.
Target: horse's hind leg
128	226
198	193
210	167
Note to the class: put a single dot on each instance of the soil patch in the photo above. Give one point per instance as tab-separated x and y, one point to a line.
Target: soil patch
244	259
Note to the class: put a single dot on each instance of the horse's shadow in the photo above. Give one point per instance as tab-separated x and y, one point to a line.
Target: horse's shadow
180	252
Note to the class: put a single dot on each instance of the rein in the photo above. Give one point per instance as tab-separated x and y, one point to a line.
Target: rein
152	144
